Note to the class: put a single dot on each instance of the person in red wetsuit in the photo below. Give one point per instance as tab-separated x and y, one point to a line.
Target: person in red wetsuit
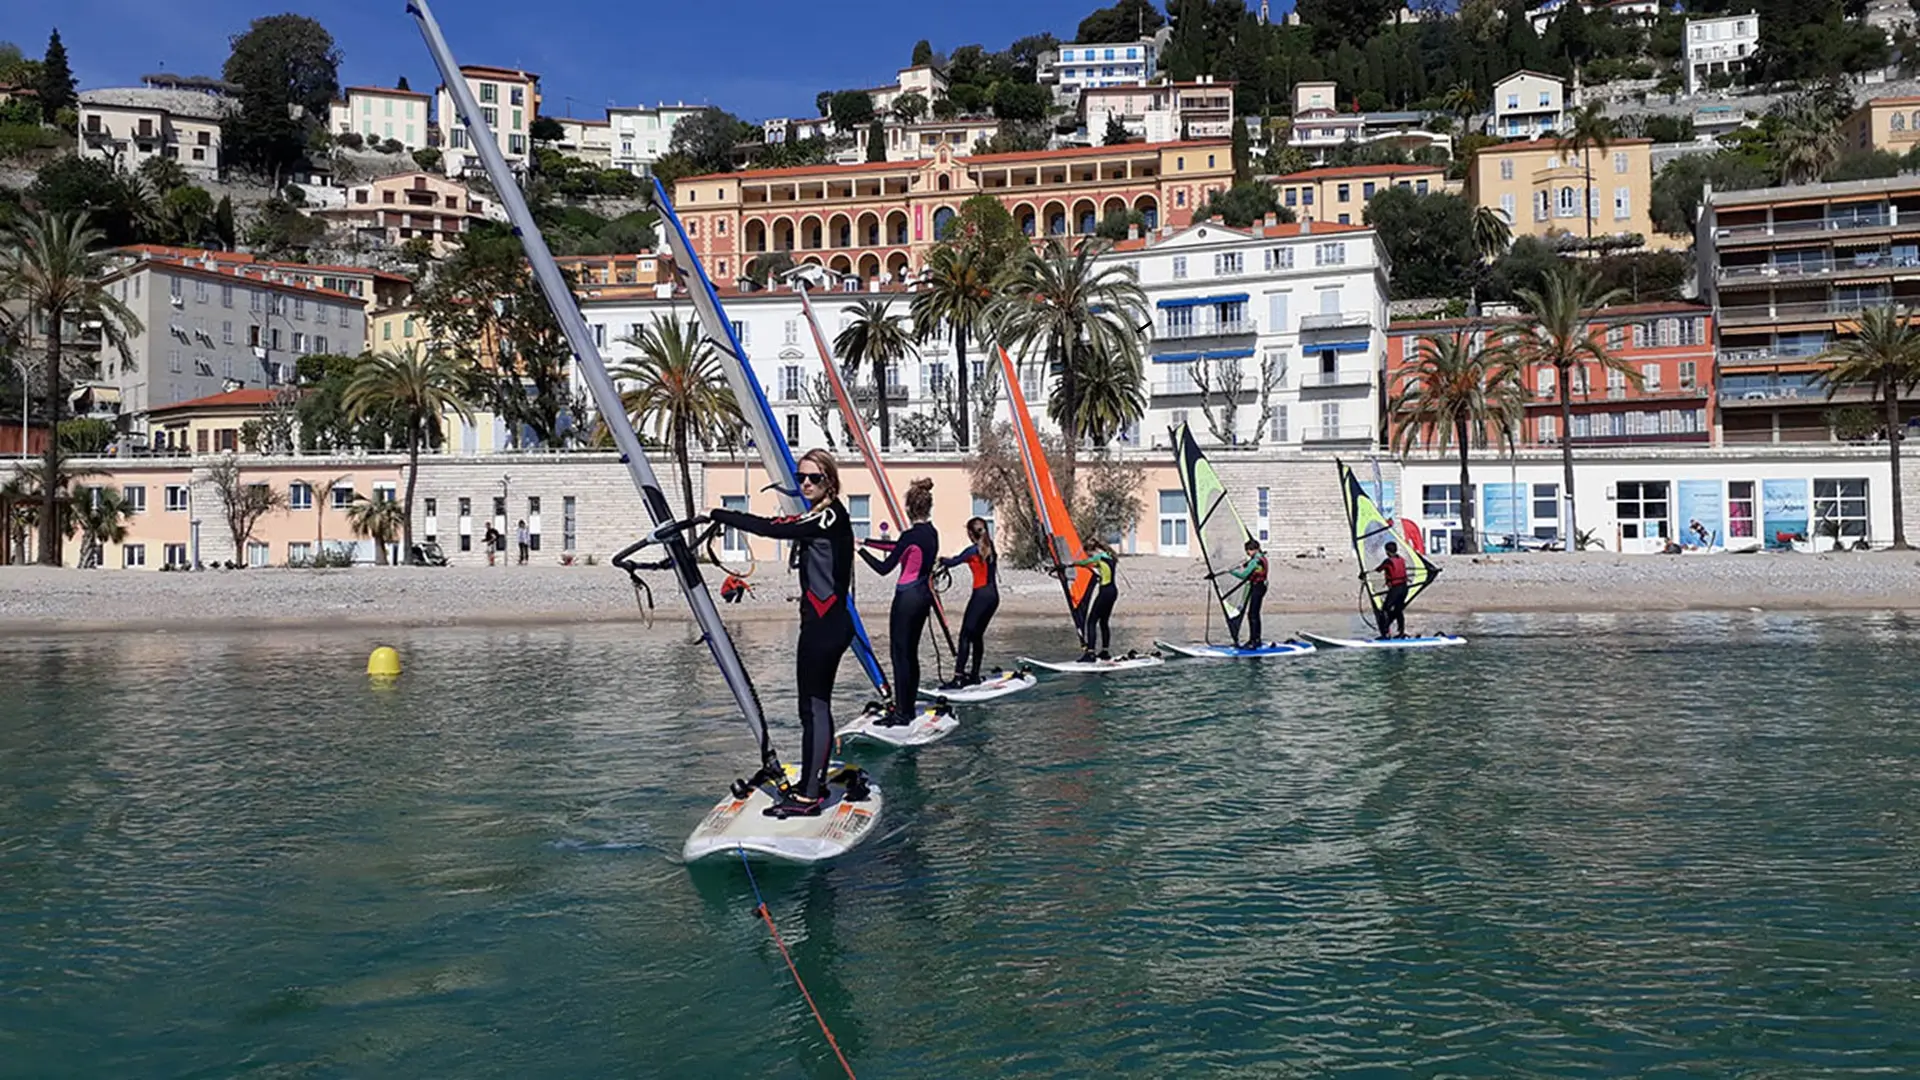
1393	608
981	558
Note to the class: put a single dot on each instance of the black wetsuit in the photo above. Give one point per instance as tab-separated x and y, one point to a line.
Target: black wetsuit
914	554
823	552
981	605
1393	606
1105	593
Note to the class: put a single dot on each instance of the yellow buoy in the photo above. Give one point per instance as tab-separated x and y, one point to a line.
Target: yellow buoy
384	663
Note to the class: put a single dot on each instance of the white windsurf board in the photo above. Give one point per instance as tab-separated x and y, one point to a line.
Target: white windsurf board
1206	651
929	725
739	824
1000	685
1431	642
1094	667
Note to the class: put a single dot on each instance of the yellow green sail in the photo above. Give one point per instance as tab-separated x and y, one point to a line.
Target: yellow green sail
1371	531
1217	526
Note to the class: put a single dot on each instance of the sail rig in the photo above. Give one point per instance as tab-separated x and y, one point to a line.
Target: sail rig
606	397
1059	541
1222	533
1371	532
775	455
863	442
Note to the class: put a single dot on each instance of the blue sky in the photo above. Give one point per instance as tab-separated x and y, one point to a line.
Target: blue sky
751	57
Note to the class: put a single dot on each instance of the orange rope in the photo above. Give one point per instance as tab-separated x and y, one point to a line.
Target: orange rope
766	916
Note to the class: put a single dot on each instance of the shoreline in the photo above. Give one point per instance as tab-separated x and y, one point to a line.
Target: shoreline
36	600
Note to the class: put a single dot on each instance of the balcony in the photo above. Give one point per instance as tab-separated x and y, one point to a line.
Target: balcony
1343	433
1175	388
1336	320
1319	380
1738	234
1797	311
1878	262
1206	328
1766	355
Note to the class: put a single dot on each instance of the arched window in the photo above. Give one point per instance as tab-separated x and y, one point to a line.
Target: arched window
942	218
1057	224
1916	119
944	183
1897	122
1569	202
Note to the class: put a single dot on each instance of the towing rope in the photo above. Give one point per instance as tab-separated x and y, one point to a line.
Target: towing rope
760	909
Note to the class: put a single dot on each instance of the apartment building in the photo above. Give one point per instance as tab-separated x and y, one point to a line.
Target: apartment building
639	135
877	221
1719	46
509	103
1340	194
1160	111
1302	304
209	325
378	113
590	141
1788	270
1319	125
1541	188
374	289
394	209
600	277
1528	105
1669	345
1080	67
919	141
127	126
1885	123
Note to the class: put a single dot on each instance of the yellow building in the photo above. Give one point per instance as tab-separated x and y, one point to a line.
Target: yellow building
1890	123
1340	194
1540	187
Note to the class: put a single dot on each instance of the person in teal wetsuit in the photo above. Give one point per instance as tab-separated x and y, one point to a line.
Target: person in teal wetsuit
1254	573
1102	561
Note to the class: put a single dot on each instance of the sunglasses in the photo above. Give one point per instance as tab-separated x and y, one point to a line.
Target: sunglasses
817	479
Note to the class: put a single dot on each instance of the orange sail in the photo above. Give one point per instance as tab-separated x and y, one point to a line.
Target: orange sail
1060	542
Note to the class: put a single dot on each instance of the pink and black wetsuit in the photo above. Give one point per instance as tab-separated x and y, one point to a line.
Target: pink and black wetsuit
914	554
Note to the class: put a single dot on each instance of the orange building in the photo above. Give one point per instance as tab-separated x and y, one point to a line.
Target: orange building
1669	344
881	218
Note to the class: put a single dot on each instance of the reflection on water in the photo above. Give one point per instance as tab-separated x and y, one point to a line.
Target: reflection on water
1583	845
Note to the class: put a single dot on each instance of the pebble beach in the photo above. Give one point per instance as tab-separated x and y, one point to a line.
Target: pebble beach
35	599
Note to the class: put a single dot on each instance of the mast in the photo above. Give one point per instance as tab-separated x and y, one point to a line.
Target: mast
606	397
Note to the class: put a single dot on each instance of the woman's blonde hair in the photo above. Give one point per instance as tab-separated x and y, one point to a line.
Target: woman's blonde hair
828	468
920	499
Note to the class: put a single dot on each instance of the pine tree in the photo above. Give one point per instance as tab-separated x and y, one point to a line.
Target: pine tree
877	140
1242	152
56	86
1116	134
402	85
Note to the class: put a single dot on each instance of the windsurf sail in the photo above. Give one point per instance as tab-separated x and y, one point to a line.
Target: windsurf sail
1371	532
863	442
1222	534
1059	541
606	398
775	455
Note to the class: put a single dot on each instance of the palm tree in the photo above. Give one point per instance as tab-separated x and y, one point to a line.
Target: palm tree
1806	144
877	340
1087	319
101	515
1588	130
1457	392
1883	356
416	388
320	492
1492	233
1563	313
378	520
32	493
957	290
52	266
1462	100
678	388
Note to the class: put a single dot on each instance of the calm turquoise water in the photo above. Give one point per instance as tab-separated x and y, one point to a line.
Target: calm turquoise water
1578	847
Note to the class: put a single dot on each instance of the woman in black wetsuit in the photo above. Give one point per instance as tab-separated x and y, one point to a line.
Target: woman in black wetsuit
1102	559
823	550
914	554
981	558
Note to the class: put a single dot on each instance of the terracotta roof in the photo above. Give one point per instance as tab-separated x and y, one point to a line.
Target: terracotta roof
249	399
385	90
1335	172
1890	102
1281	231
1524	143
1097	151
238	258
252	275
827	172
485	69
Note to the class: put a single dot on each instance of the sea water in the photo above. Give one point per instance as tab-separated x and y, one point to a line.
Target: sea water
1578	846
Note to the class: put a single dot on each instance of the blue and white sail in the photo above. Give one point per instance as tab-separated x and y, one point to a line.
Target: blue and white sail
775	455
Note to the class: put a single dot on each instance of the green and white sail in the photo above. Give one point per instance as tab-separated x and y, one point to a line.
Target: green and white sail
1371	532
1217	526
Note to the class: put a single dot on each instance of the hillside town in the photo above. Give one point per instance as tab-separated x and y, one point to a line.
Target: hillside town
1629	276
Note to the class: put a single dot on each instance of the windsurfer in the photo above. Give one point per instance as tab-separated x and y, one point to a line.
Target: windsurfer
980	557
1254	573
1100	558
914	555
823	551
1393	606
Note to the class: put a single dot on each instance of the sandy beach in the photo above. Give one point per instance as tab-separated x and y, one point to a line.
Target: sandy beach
34	599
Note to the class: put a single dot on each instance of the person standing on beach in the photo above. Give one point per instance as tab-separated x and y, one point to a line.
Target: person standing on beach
492	541
1101	559
1254	573
981	558
823	552
1393	609
914	555
525	539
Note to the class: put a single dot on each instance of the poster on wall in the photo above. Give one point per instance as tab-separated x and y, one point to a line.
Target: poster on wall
1702	514
1784	512
1504	514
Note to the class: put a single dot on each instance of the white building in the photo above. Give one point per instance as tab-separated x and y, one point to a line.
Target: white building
1528	104
1719	46
377	113
640	136
1318	123
590	141
785	129
509	103
1075	68
1303	304
177	119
